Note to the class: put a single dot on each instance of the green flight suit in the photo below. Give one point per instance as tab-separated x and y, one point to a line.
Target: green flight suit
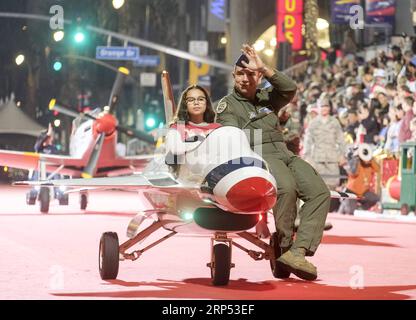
294	176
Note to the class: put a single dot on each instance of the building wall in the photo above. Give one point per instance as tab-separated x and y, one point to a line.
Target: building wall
248	20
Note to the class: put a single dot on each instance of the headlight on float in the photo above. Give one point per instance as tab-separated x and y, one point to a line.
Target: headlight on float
187	215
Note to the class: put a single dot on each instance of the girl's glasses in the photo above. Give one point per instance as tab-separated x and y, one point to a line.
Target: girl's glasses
192	99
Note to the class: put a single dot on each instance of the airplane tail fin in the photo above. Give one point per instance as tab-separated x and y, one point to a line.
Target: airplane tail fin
169	100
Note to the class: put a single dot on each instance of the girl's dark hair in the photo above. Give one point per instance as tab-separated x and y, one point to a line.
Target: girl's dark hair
182	111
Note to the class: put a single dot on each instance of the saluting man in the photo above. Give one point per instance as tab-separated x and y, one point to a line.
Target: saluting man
294	177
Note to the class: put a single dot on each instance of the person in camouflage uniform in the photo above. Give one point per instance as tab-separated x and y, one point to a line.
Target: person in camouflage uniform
324	145
294	177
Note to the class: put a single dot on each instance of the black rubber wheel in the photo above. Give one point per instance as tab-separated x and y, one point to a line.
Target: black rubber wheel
44	198
83	201
108	258
220	271
278	271
30	199
64	200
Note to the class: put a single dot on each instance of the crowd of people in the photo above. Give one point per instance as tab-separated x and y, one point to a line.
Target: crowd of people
346	100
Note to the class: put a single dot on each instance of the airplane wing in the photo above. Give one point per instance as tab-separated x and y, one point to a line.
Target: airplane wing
30	161
70	166
158	181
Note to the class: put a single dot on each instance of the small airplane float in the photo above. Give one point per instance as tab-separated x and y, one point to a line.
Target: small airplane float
219	187
92	151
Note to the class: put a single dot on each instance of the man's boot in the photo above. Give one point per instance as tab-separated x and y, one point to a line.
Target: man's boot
278	270
294	261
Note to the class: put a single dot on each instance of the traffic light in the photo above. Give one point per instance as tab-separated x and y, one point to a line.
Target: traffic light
79	36
150	122
57	65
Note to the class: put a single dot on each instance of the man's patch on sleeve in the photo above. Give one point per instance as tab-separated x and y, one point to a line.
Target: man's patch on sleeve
221	107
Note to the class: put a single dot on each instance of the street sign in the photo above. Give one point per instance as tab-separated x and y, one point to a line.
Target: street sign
148	79
205	81
117	53
147	61
199	48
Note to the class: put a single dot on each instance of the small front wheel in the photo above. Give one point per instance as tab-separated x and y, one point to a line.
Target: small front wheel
44	198
63	199
108	259
220	270
83	201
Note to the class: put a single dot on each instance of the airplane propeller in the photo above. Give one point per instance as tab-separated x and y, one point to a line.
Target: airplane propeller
105	123
89	169
115	91
67	111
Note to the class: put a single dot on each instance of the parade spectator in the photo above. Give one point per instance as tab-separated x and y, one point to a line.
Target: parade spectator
413	129
324	145
404	132
360	175
369	122
375	91
409	74
353	123
392	139
384	103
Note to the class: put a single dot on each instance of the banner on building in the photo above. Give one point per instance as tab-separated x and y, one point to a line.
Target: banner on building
289	22
380	12
340	11
217	15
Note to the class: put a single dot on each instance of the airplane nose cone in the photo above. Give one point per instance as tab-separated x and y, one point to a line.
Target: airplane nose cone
254	194
107	124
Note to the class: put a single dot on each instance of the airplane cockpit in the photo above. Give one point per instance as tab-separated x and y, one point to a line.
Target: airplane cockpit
78	121
81	133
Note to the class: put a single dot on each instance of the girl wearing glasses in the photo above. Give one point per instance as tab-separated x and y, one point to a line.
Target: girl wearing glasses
194	119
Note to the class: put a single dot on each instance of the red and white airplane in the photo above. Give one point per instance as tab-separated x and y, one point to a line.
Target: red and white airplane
92	150
219	187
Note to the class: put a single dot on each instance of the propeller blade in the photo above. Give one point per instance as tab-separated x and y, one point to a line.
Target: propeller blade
117	86
137	134
67	111
89	170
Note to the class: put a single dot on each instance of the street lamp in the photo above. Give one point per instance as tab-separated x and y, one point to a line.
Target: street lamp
117	4
20	59
58	35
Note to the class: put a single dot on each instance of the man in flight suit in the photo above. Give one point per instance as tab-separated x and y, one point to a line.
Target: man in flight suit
294	176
